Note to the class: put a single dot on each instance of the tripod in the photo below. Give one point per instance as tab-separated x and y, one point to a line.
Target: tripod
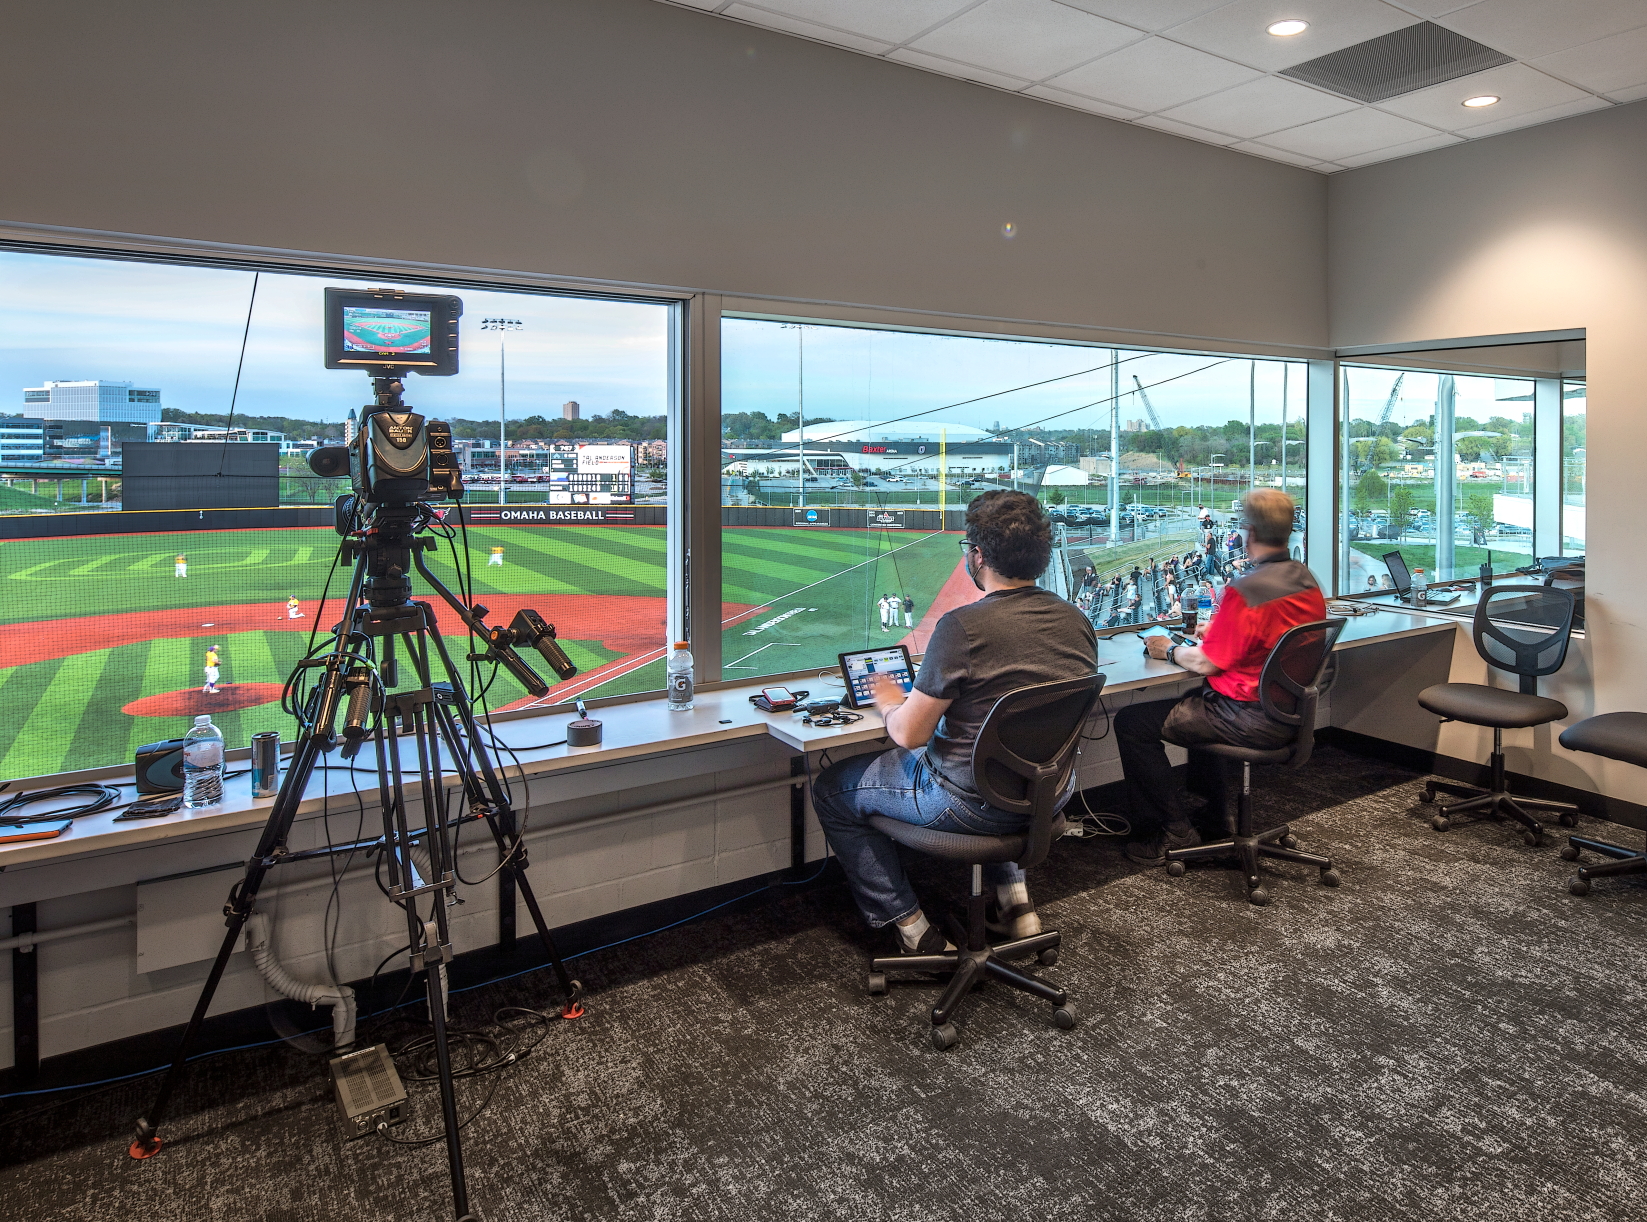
382	629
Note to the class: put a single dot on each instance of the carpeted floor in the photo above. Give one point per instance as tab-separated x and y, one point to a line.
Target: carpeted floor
1450	1034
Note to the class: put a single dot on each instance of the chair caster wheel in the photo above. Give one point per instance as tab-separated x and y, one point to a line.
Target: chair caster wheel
1569	820
1570	853
876	984
1330	877
1427	796
1289	841
1064	1017
1048	957
945	1037
1578	886
1175	868
1532	839
1258	896
1440	822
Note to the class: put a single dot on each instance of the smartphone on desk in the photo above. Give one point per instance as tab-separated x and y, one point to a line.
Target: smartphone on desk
16	833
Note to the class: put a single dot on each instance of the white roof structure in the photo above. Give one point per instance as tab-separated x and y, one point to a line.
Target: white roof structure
871	431
1059	474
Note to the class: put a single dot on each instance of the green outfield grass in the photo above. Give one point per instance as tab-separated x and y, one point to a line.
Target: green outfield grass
825	584
65	713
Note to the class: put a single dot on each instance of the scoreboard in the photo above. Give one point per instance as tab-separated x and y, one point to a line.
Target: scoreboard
591	474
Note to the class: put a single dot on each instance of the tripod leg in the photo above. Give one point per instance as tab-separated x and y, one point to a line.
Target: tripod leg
146	1143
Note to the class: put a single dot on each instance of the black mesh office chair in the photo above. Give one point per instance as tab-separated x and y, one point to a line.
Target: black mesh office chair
1529	639
1289	688
1618	736
1023	762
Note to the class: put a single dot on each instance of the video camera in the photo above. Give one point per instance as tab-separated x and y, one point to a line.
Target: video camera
398	457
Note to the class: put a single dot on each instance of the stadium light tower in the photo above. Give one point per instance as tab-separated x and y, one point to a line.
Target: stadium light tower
501	325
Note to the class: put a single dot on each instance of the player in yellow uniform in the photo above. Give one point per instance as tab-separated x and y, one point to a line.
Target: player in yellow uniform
496	558
212	671
293	608
180	567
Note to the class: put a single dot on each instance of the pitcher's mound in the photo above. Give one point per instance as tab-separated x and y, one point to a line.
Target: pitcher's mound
191	701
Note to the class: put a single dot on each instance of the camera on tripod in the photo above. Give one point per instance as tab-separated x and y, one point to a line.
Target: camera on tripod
398	457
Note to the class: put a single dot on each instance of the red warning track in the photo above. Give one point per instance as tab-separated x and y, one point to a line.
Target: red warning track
626	624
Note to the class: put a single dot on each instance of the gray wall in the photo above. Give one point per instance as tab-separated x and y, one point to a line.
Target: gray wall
629	140
1535	230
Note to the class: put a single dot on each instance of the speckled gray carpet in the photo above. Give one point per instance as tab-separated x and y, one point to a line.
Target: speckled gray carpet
1448	1035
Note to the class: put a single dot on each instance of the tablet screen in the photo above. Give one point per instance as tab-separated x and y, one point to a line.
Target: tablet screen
857	667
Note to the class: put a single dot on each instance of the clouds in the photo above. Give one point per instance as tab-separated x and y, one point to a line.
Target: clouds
179	327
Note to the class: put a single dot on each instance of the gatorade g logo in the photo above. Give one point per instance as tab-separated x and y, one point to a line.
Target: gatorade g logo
401	430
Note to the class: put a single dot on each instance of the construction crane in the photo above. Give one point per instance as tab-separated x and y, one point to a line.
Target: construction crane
1149	410
1389	404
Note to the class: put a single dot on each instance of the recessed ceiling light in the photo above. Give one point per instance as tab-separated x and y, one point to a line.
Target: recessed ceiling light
1486	99
1286	29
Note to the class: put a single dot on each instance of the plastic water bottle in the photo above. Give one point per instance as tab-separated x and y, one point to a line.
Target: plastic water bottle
203	765
1203	609
1421	587
679	670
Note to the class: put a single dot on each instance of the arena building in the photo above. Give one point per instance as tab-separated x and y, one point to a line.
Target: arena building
911	448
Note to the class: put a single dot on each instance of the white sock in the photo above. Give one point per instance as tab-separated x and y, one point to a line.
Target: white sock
914	932
1008	894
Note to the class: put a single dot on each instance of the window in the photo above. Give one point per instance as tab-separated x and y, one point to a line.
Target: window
108	625
1437	466
849	455
1574	402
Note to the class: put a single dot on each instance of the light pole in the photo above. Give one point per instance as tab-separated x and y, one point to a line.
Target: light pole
501	325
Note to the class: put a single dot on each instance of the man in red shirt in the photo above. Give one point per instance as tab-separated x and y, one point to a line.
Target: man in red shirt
1275	594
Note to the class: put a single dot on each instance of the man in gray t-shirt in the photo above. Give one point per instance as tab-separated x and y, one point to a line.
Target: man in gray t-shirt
1016	635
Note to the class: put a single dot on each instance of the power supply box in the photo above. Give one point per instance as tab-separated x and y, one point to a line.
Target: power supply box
369	1091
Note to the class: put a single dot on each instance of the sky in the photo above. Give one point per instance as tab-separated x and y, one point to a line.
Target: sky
179	328
853	373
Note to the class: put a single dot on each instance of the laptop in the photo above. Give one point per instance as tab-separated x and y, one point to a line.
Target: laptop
1402	580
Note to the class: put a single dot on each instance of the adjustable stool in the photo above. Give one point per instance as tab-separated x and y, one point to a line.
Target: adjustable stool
1616	736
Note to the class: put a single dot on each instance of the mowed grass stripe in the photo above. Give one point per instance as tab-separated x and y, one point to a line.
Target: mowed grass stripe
647	574
835	551
23	692
165	669
42	744
101	737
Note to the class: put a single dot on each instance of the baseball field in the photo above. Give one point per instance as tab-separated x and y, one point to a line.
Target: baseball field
103	639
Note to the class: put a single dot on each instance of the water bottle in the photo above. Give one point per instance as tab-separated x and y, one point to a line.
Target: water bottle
1203	610
679	670
1420	588
203	765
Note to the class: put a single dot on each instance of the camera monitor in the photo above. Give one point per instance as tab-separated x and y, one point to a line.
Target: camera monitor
385	329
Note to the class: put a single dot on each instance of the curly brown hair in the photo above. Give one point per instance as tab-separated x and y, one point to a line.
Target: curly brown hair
1012	531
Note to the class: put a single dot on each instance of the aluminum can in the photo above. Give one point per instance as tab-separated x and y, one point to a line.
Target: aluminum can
265	764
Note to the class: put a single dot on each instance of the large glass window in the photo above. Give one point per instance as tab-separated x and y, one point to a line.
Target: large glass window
108	611
1436	466
850	453
1574	405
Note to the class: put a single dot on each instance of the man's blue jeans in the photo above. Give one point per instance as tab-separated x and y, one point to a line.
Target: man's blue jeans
899	785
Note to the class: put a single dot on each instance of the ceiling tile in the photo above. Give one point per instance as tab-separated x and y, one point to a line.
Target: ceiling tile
950	67
806	29
1188	130
1026	38
1509	123
704	4
1431	8
872	18
1237	31
1520	88
1528	29
1275	154
1405	149
1265	105
1091	105
1153	74
1359	131
1604	65
1149	15
1632	94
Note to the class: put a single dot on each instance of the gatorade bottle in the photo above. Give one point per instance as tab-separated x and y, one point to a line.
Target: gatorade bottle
1421	588
679	670
203	765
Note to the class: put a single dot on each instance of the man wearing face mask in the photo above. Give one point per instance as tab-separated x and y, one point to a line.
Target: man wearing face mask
1016	635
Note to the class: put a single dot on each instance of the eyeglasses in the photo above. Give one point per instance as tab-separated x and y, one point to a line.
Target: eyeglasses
966	543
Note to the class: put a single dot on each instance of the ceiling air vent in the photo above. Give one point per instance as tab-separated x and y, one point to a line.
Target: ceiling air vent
1386	67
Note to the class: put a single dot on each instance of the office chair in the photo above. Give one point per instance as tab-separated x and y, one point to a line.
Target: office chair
1289	689
1530	639
1618	736
1023	762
